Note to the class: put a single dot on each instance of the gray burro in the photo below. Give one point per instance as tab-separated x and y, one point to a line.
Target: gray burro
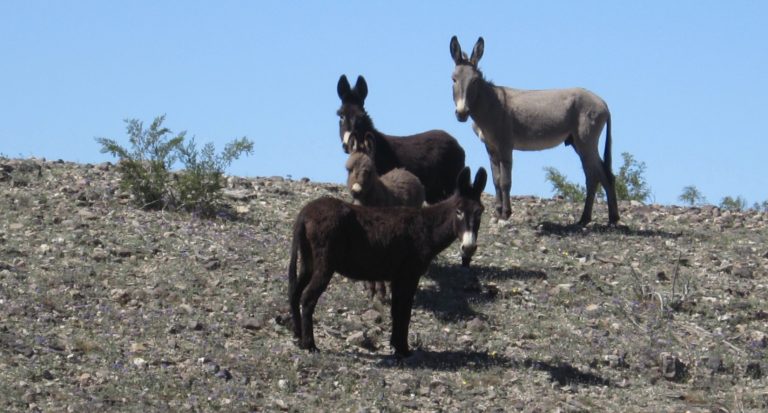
506	119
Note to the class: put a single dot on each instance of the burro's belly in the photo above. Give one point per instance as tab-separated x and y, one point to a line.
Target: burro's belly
536	142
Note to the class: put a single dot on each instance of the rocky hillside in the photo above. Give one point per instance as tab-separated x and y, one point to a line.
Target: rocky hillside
104	307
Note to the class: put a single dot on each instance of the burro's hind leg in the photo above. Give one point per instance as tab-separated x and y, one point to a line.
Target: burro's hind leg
294	295
596	174
403	291
319	282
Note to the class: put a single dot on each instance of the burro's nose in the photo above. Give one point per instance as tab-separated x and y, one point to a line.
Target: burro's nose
468	243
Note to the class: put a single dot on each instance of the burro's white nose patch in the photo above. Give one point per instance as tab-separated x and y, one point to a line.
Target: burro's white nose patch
461	105
468	239
356	187
345	139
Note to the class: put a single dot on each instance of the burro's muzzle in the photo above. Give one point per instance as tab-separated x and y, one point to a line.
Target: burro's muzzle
462	110
468	247
345	141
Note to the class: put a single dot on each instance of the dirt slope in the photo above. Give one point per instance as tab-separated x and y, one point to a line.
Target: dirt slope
105	307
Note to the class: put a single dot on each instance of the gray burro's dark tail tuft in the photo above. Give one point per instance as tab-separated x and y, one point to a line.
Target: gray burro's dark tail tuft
607	151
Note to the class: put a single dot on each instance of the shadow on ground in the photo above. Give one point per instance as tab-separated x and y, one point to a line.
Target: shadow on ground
458	287
553	228
562	373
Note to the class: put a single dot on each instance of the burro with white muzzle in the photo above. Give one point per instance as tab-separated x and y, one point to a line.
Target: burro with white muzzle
394	244
508	119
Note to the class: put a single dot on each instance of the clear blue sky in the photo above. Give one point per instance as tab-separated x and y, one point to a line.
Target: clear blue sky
686	81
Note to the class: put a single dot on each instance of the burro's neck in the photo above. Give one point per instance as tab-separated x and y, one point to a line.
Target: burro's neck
438	219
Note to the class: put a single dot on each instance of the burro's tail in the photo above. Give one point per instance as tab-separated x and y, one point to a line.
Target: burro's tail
299	233
607	151
294	289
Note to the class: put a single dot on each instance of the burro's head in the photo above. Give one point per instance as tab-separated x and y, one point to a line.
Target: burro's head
352	109
465	77
469	211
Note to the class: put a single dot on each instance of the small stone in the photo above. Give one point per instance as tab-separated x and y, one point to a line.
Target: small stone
671	367
476	324
195	325
99	254
87	215
252	323
372	316
591	308
224	374
758	339
754	371
213	264
120	295
356	339
139	362
212	368
282	384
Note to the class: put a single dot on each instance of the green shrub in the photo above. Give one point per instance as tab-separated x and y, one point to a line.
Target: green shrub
630	183
733	204
564	189
692	196
145	169
199	184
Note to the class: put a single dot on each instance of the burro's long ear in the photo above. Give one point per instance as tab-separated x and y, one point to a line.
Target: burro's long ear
361	88
342	88
455	50
462	182
480	178
367	144
477	52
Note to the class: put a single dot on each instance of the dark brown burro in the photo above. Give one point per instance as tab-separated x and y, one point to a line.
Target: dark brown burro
435	157
394	244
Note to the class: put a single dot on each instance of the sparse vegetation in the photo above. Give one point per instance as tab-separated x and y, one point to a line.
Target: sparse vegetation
145	168
569	191
730	203
692	196
199	184
631	184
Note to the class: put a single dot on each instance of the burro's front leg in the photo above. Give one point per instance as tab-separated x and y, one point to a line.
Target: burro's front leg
506	186
496	174
403	291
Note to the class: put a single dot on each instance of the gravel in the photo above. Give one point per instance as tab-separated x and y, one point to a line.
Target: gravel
107	307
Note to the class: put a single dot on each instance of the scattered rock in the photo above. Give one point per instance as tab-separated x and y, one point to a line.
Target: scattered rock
476	324
195	325
356	339
754	371
213	264
252	323
372	316
672	368
224	374
139	362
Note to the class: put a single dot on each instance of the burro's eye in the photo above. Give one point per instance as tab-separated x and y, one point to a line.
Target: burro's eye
459	214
